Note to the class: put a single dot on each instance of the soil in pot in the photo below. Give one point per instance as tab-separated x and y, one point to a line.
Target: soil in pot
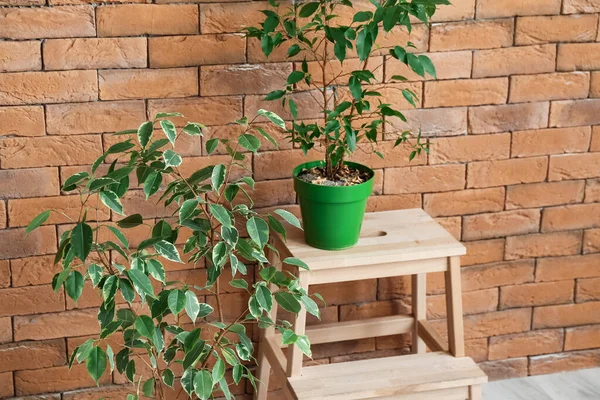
345	177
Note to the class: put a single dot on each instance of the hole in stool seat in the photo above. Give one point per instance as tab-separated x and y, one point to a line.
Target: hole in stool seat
370	234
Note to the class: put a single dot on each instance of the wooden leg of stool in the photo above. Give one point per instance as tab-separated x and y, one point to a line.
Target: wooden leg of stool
475	392
419	309
295	355
456	340
262	374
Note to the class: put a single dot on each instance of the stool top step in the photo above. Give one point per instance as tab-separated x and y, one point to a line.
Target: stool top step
383	377
386	237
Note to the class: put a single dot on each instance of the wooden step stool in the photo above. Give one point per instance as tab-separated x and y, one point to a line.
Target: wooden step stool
392	243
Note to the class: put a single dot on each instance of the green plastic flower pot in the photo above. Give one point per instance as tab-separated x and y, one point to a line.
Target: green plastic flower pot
332	215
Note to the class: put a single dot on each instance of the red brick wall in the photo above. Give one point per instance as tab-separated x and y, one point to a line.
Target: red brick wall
513	172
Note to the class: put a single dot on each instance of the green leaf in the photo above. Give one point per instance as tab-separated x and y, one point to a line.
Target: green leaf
193	129
74	285
187	381
274	95
218	370
288	302
144	326
293	50
203	384
249	142
229	235
295	77
415	64
308	9
220	213
219	254
148	387
99	183
271	116
264	297
145	133
192	306
239	283
158	340
37	221
74	179
205	310
169	129
364	43
187	209
264	134
111	357
167	250
95	273
310	306
96	363
211	145
304	345
218	176
176	301
289	217
126	290
258	230
156	270
172	159
112	201
131	221
428	65
167	115
119	235
409	97
81	240
362	16
293	110
141	282
297	262
118	148
152	183
110	288
168	377
355	87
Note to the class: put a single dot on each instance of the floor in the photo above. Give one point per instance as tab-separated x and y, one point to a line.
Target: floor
576	385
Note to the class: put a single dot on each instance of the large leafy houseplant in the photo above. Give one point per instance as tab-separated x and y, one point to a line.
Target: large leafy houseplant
334	45
170	337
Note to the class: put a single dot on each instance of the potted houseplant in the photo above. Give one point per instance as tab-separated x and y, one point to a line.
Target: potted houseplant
327	37
170	338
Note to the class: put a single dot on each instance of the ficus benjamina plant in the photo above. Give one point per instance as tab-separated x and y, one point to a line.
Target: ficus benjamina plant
327	45
170	337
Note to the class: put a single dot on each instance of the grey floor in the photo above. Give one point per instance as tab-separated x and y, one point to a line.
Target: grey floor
576	385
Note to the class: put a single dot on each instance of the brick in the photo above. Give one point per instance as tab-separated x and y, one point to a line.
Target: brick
544	194
147	19
458	10
390	93
502	62
448	65
543	245
576	216
32	355
55	379
477	302
48	87
472	35
243	79
591	241
595	85
580	6
524	88
510	8
564	362
49	151
424	179
272	193
377	309
483	252
419	36
336	72
134	202
20	56
22	3
31	300
492	323
5	330
230	17
574	166
98	117
29	183
536	294
464	202
592	191
431	122
392	156
469	148
56	325
452	225
22	121
554	269
582	337
393	202
33	270
2	215
466	92
40	241
575	113
347	292
578	56
188	51
510	117
588	290
506	172
95	53
22	211
277	165
505	369
150	84
563	28
47	22
566	315
7	388
308	107
595	145
526	344
4	274
550	141
232	131
208	111
500	274
487	226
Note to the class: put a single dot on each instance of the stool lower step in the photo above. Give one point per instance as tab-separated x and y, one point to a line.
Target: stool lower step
435	375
